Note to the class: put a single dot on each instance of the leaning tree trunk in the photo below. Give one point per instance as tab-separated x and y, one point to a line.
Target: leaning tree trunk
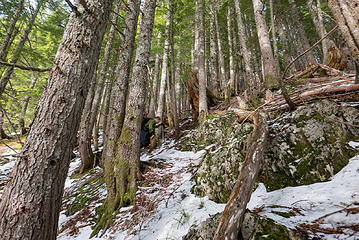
271	71
16	56
346	14
232	216
90	114
26	103
122	171
119	90
245	51
203	108
6	43
30	205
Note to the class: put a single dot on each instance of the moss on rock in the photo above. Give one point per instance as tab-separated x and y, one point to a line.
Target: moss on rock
304	147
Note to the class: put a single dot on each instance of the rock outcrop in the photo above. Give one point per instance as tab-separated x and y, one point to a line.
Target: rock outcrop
305	146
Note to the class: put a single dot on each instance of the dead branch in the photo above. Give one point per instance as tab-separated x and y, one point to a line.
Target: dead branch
306	51
34	69
354	210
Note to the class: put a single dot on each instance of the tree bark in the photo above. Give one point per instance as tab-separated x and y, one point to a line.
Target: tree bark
90	112
270	68
346	14
7	75
30	205
232	216
232	75
172	83
34	78
119	90
6	43
122	171
202	79
222	67
86	154
274	36
245	51
317	17
156	72
161	97
300	28
213	62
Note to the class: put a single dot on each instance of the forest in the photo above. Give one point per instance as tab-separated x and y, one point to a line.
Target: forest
179	119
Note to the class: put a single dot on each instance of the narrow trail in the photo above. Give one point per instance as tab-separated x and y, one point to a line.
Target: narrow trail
164	207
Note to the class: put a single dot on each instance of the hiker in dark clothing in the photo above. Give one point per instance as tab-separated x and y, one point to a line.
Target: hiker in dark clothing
148	127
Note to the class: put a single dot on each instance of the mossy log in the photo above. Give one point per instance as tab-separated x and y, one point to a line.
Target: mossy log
193	93
233	214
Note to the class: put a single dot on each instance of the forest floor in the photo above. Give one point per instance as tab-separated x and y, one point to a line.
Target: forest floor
165	208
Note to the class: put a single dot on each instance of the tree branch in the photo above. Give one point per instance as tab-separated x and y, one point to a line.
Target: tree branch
73	7
34	69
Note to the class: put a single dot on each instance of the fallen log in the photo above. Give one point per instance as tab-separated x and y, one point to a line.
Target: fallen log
323	79
329	91
320	93
232	216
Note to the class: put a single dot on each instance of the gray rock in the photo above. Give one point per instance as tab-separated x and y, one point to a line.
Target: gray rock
306	146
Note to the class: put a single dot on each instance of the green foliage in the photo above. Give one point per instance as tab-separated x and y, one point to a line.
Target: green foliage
39	51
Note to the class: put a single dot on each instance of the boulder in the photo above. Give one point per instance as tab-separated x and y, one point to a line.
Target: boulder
305	146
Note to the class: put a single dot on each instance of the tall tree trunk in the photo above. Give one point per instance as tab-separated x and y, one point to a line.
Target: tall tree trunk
213	63
7	75
303	36
6	43
90	113
230	84
284	43
106	108
179	84
31	203
122	172
161	97
252	84
153	104
119	90
274	36
317	17
172	83
86	154
34	78
202	80
222	67
270	71
346	14
232	216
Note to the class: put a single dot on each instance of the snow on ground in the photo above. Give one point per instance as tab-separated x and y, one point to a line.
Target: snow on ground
164	207
329	210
